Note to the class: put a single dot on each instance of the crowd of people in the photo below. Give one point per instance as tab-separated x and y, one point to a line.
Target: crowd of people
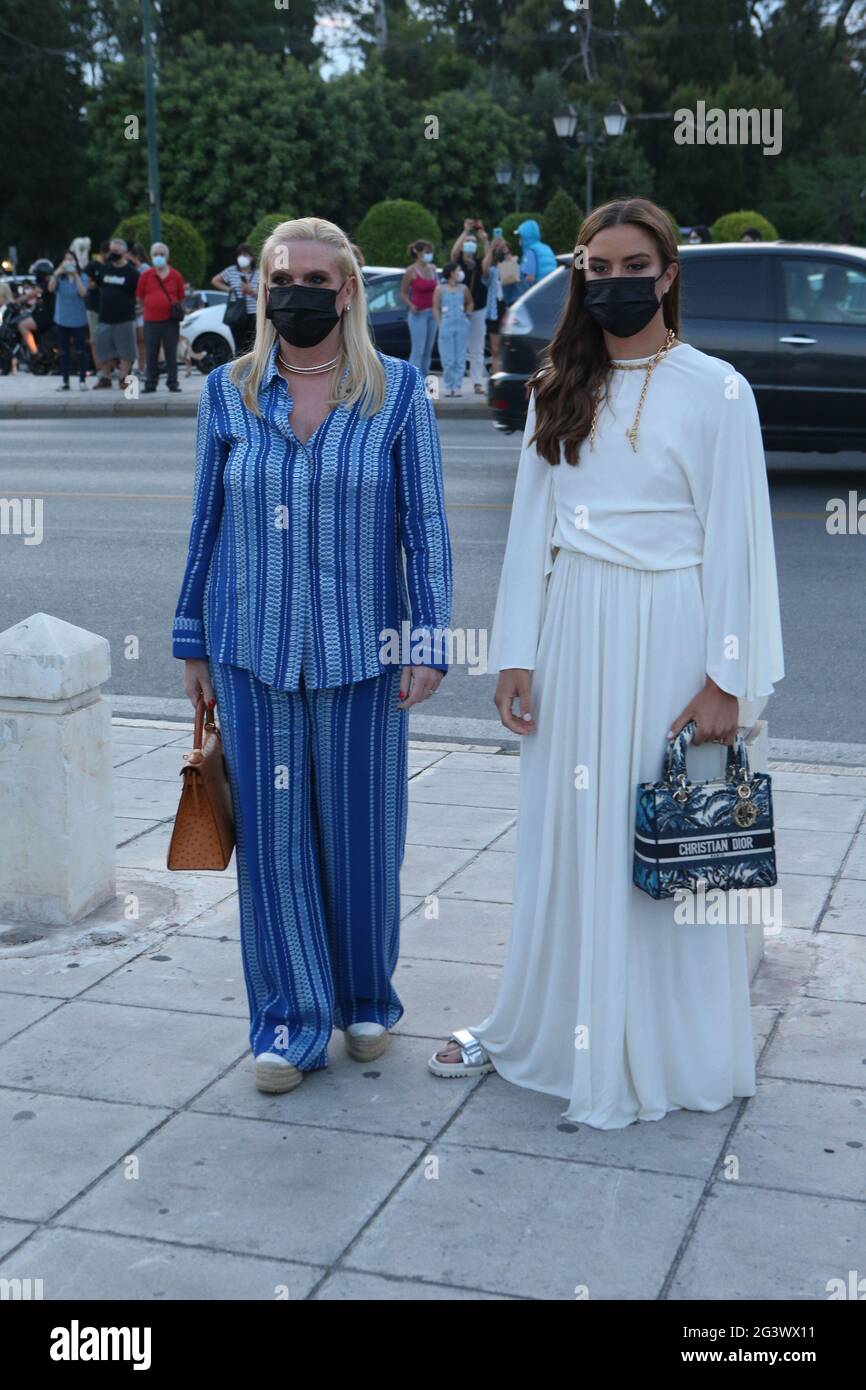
111	313
459	311
119	311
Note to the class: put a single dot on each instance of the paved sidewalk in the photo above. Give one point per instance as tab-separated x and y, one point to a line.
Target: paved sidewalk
26	397
139	1161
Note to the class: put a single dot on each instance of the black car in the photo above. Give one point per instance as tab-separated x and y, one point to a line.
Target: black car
790	316
389	316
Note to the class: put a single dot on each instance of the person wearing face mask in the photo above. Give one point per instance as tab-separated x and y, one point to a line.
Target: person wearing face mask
638	595
115	333
417	289
537	259
471	251
452	309
504	273
69	285
314	613
161	293
242	278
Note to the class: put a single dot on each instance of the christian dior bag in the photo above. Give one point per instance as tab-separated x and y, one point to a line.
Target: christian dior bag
711	835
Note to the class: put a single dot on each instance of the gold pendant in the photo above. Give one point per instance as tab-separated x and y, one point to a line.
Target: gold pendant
632	437
745	814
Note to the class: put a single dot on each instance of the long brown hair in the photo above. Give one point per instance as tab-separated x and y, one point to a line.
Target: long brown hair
577	362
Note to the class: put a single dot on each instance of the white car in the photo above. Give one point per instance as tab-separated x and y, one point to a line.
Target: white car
211	342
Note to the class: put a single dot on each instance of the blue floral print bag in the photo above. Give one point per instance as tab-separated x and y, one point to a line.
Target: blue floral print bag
710	835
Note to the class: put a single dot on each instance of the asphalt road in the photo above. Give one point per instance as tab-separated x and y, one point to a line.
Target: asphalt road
117	499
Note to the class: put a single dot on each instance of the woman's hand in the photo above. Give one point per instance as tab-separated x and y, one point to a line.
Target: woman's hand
515	683
196	678
715	713
416	683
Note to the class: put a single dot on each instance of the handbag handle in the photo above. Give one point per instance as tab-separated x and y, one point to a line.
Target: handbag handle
675	770
202	721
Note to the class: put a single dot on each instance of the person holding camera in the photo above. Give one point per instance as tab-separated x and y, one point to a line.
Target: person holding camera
161	292
469	251
69	285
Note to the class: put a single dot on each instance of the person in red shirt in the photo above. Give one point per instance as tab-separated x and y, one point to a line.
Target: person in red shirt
159	289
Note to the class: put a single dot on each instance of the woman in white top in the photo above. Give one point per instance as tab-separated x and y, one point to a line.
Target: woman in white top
638	592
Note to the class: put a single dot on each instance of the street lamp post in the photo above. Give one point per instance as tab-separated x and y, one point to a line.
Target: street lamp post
529	174
150	117
565	125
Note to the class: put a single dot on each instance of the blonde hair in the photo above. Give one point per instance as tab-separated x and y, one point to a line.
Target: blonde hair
365	381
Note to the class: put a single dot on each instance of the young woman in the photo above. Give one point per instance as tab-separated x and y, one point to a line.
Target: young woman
452	310
318	471
243	278
417	289
497	259
471	251
638	592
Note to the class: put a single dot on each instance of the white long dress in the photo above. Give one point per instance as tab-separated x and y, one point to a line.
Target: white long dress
626	579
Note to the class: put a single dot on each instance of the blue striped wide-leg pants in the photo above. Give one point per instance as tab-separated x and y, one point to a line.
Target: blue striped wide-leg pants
320	797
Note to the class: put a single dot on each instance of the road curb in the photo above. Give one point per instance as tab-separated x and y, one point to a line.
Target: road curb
447	729
63	410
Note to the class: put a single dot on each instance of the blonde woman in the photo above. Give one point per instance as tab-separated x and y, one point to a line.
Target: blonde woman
318	471
638	593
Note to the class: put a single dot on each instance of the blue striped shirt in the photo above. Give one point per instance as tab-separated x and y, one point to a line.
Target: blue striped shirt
296	551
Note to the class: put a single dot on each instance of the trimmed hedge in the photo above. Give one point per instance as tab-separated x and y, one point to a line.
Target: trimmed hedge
258	235
389	227
185	246
731	225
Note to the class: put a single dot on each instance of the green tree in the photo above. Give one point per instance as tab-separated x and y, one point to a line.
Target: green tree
43	203
561	222
822	200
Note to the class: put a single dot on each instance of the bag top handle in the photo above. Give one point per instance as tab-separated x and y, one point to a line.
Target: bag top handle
737	761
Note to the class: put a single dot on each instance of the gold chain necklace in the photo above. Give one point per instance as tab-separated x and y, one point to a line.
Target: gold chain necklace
649	368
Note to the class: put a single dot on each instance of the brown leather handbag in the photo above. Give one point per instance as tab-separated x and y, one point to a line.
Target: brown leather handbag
204	834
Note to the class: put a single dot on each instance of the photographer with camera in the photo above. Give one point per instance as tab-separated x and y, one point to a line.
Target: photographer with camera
69	286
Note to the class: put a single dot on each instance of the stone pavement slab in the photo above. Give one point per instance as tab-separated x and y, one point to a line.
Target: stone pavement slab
138	1160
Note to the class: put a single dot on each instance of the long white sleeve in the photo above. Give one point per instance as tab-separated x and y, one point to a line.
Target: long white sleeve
528	560
740	586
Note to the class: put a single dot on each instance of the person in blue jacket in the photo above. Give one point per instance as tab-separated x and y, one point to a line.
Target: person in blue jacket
314	613
537	259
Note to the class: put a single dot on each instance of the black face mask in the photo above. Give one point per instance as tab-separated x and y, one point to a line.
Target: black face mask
302	314
623	304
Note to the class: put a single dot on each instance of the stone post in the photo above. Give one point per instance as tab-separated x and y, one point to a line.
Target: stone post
57	857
